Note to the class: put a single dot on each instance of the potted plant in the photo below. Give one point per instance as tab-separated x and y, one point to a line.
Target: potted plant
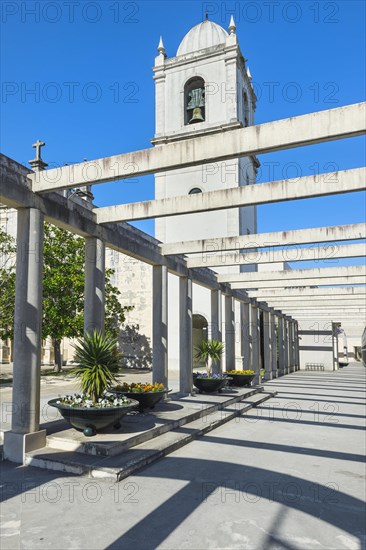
148	395
209	351
241	377
93	409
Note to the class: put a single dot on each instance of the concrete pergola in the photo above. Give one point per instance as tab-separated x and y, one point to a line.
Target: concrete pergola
262	313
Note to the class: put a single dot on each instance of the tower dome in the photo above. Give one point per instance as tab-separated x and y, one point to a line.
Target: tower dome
204	35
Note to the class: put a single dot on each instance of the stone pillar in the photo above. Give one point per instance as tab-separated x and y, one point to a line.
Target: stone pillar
94	284
4	352
245	335
286	346
229	333
25	434
255	337
292	340
185	336
216	323
281	346
47	351
266	347
273	337
297	350
160	324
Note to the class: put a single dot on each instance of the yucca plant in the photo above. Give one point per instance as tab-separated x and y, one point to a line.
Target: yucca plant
98	361
209	351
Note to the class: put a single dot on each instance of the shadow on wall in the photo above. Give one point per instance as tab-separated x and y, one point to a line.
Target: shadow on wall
136	348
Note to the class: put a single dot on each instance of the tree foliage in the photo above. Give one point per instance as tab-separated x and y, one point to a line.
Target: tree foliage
63	290
7	284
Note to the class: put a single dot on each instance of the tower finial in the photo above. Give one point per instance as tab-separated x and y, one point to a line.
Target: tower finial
161	48
206	15
232	26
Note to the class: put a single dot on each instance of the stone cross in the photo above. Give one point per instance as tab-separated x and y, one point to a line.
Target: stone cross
38	164
37	145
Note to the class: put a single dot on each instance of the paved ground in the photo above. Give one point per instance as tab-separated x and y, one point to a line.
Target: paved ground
289	475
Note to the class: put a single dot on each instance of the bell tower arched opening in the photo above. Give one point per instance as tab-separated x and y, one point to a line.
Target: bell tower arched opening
194	101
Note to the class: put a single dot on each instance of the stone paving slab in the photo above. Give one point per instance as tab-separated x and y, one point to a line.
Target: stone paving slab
283	476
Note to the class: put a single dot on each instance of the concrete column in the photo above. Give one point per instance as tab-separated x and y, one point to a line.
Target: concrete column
297	343
94	292
245	335
25	434
229	333
266	347
160	324
335	347
4	352
292	350
216	324
281	347
272	321
286	346
255	337
185	336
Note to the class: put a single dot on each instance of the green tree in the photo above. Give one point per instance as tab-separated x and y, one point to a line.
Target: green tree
63	287
63	292
7	285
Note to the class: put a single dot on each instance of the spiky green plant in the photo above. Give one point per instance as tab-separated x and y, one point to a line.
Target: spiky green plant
209	351
98	360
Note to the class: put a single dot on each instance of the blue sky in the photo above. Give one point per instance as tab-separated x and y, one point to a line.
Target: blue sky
78	76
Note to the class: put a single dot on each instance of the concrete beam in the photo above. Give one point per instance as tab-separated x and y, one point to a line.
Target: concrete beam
335	311
339	123
311	292
298	274
352	280
314	253
336	316
346	304
265	240
78	219
318	185
315	300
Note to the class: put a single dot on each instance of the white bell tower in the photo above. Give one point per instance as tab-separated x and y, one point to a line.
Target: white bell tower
204	90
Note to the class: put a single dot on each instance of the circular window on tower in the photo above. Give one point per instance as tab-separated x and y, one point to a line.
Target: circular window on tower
195	190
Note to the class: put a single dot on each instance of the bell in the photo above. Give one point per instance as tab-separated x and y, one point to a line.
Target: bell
196	116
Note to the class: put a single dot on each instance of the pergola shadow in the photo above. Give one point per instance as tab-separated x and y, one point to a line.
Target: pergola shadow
210	477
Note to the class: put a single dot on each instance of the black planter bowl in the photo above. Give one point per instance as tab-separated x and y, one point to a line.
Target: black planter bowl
92	419
146	400
209	385
241	379
343	363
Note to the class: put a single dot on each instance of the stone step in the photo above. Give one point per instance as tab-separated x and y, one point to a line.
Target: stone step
120	466
143	427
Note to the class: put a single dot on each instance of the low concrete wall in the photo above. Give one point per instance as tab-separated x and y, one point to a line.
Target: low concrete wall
316	344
